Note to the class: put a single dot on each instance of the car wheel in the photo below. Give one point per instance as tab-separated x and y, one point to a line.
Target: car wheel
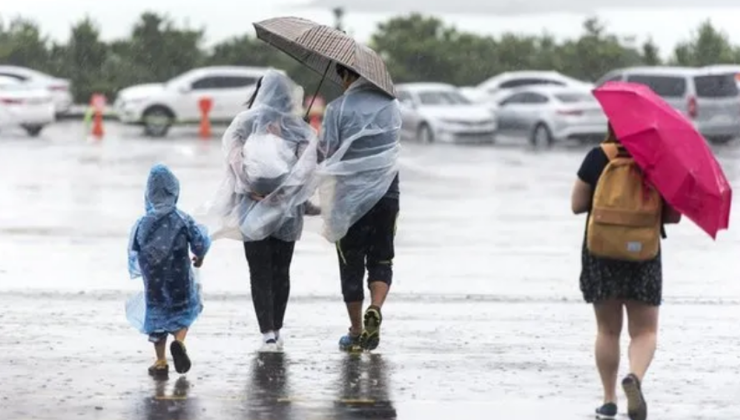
33	130
541	136
157	121
424	134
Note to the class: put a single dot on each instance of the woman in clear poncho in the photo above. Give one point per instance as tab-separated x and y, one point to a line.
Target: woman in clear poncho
271	158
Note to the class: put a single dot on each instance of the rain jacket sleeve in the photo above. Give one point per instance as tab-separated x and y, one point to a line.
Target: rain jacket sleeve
198	237
329	133
134	270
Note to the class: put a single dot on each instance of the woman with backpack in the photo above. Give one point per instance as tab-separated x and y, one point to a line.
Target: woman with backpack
270	154
621	265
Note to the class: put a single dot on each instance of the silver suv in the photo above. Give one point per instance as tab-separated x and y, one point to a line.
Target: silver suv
709	98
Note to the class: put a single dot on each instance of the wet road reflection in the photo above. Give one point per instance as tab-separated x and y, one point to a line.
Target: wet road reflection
267	393
363	386
173	405
360	390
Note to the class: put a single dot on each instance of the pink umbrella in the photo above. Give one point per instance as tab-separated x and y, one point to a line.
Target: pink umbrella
673	155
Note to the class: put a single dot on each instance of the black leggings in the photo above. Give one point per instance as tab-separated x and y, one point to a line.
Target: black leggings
368	245
269	271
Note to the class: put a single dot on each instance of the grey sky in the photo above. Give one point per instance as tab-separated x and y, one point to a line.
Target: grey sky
225	18
516	7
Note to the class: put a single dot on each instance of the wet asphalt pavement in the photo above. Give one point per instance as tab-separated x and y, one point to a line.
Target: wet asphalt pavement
484	321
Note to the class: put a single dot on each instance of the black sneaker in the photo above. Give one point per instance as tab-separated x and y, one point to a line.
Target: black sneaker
607	411
180	356
370	337
636	406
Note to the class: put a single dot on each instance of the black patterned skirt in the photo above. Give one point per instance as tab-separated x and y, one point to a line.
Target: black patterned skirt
603	279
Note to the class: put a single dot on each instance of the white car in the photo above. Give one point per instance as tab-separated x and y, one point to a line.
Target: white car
439	112
158	106
494	89
548	114
58	88
24	105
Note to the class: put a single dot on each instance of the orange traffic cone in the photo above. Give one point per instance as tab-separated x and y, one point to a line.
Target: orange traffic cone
98	105
205	105
97	128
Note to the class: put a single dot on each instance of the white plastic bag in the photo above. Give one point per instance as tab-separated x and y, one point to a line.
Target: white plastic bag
267	161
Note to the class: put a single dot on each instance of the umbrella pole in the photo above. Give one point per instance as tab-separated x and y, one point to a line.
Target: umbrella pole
318	88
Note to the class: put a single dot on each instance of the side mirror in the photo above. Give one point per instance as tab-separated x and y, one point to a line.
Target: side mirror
184	89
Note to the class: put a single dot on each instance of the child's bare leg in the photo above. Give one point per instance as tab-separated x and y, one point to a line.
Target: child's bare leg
180	335
159	368
161	349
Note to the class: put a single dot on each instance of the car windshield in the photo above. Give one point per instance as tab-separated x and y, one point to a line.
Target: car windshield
574	97
442	97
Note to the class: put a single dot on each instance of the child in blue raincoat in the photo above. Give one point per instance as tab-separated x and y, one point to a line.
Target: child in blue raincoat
159	251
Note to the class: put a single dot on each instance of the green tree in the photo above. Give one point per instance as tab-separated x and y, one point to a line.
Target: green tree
596	52
163	50
417	48
650	53
22	44
85	57
707	46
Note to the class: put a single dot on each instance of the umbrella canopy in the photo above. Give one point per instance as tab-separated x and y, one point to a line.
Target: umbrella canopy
320	48
675	158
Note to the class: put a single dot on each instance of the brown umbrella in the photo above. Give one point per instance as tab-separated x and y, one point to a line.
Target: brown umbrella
321	47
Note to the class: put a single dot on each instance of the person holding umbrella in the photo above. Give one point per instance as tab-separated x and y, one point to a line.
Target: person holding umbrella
357	179
365	123
612	282
652	168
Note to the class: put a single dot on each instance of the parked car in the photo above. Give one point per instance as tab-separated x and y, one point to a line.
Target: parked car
548	114
439	112
158	106
710	99
58	88
24	105
494	89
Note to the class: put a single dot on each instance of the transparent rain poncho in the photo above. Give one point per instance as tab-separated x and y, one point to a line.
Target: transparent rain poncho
271	153
360	149
159	251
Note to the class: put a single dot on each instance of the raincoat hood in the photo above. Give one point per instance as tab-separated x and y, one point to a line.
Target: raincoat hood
279	93
162	190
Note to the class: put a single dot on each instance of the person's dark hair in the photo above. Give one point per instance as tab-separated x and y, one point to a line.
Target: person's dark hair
611	136
343	71
257	87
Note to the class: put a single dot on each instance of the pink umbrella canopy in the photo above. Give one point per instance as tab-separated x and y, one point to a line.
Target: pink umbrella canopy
674	156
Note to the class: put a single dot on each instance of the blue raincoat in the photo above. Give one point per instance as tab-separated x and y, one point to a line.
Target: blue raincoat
158	251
